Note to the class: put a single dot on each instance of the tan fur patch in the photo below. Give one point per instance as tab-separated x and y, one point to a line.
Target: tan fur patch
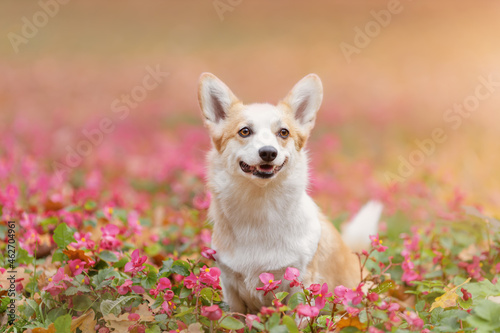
333	263
298	137
233	120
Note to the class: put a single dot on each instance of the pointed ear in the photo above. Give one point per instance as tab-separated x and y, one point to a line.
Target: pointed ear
305	99
215	98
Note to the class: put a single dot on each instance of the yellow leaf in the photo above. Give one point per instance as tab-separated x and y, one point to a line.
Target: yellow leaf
51	329
85	322
143	311
448	299
120	323
347	321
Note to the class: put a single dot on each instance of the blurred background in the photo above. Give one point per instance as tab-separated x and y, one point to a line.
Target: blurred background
393	86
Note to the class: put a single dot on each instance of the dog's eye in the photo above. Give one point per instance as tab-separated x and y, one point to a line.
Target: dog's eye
244	132
284	133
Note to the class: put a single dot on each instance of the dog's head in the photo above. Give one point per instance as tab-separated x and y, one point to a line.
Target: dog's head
257	141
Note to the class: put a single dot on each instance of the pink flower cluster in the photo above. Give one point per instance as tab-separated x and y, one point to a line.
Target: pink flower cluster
208	277
136	264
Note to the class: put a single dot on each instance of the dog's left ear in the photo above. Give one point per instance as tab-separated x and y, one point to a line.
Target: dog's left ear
215	98
305	99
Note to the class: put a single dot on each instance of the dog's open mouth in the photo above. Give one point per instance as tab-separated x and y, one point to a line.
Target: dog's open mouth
262	170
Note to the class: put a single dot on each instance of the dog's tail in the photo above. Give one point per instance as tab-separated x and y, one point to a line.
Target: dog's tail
365	223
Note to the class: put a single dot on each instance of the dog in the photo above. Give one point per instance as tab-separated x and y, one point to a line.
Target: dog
263	219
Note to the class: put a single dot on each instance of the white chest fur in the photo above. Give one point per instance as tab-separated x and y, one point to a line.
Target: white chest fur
258	229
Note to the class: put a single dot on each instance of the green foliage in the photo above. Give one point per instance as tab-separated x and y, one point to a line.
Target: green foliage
63	235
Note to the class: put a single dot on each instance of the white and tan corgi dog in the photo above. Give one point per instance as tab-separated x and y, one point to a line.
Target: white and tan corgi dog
263	219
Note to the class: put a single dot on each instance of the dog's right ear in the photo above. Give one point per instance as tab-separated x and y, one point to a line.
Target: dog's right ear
215	98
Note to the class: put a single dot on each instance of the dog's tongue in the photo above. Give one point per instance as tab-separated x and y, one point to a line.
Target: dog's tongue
266	167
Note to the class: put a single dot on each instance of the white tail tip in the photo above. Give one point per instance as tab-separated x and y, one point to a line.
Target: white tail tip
356	233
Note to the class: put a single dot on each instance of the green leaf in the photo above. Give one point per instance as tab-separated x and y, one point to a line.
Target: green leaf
180	267
71	291
296	299
34	306
483	289
488	311
231	323
449	320
108	256
23	257
208	294
167	265
184	311
384	286
49	221
153	249
5	301
274	320
290	324
59	256
281	295
184	293
82	302
63	324
114	307
150	280
56	313
90	205
63	236
153	329
279	329
121	263
420	306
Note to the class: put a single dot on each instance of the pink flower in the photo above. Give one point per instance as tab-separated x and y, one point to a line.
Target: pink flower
167	307
291	274
208	253
474	268
108	240
314	288
267	311
373	297
466	295
409	273
134	317
134	226
56	283
415	322
164	283
389	307
108	212
340	291
211	312
210	276
191	281
83	241
305	310
127	287
250	318
76	266
352	311
373	329
269	283
136	264
202	201
377	243
323	294
354	295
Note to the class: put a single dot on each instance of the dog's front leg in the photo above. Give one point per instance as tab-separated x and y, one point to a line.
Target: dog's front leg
232	296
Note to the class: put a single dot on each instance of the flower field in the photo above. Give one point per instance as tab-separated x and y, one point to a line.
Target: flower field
102	170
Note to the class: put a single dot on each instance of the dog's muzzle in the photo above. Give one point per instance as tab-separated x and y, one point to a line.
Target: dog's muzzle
262	170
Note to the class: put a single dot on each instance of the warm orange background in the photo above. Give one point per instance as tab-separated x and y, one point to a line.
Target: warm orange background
393	93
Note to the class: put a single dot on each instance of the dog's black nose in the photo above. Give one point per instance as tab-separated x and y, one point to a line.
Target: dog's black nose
268	153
